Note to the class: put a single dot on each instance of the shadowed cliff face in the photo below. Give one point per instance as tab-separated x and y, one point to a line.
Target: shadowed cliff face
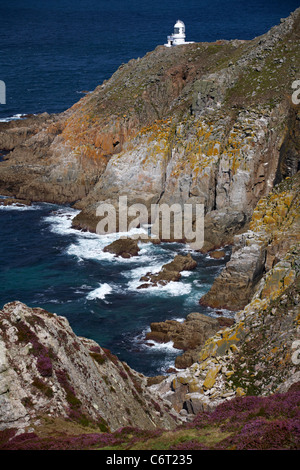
200	123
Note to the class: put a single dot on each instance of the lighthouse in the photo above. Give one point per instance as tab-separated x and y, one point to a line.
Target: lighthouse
178	37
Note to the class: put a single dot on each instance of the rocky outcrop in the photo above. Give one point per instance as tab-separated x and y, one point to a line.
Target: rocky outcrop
124	247
204	123
258	355
273	229
220	227
170	272
188	336
48	373
16	132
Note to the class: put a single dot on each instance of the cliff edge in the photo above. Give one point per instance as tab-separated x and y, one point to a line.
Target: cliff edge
49	375
207	123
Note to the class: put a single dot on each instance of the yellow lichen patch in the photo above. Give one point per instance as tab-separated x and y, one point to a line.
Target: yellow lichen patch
229	337
272	212
240	392
255	305
277	280
207	351
289	279
211	377
194	386
229	373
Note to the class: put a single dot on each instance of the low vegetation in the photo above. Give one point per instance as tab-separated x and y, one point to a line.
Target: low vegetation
243	423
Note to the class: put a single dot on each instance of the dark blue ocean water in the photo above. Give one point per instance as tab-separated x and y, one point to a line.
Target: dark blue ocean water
51	51
45	263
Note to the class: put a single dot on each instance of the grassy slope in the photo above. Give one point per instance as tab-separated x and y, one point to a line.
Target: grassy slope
261	423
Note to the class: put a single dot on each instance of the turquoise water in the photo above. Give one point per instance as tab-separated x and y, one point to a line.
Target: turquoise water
45	263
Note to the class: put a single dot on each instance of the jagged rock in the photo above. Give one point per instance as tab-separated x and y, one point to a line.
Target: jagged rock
196	403
47	371
170	272
188	336
217	254
274	228
124	247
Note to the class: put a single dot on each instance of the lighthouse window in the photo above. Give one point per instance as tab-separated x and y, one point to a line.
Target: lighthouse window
176	30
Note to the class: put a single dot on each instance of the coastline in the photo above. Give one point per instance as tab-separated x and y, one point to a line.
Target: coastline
121	342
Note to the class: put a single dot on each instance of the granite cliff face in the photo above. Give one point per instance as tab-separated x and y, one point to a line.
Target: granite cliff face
259	353
209	123
48	374
274	228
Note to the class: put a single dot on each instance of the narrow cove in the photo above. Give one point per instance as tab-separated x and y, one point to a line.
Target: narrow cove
45	263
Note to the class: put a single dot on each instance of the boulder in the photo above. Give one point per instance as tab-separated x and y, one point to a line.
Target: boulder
170	272
189	336
124	247
217	254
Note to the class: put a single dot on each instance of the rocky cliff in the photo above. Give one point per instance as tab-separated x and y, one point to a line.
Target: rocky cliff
259	353
50	377
209	123
274	228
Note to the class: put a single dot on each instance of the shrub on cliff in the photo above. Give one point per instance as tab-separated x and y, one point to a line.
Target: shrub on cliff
243	423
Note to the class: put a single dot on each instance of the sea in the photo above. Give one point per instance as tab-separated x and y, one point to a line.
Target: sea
51	52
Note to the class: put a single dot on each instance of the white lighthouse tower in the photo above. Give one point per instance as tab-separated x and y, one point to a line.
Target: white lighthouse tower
178	37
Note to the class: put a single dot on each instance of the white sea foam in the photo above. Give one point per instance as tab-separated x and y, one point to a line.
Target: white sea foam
85	249
136	273
15	117
88	246
61	221
99	293
91	245
171	289
92	248
186	273
154	345
17	207
159	347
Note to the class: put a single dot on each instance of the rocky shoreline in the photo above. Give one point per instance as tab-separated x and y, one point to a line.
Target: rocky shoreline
189	128
199	124
189	336
170	272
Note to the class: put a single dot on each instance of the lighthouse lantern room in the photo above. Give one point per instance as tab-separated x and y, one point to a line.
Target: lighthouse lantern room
178	37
